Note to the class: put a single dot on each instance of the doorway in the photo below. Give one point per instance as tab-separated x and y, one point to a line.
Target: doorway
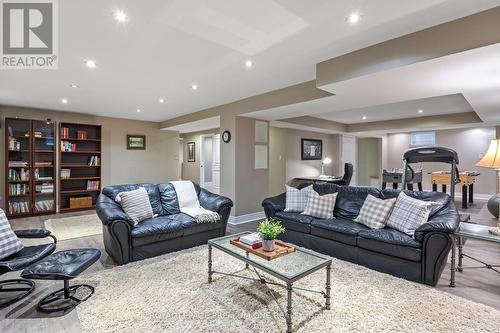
369	161
210	162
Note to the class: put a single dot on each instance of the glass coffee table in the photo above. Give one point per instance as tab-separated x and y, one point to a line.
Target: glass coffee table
474	231
288	268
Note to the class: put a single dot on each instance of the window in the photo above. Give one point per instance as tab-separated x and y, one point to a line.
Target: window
419	139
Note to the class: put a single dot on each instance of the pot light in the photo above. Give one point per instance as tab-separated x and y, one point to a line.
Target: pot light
194	87
354	18
74	86
64	101
248	63
120	16
90	63
161	100
420	111
364	118
139	110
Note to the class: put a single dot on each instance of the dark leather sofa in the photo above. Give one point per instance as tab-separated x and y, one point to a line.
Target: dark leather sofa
169	231
421	258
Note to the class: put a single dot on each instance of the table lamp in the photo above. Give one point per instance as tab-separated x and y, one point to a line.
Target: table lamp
491	160
327	160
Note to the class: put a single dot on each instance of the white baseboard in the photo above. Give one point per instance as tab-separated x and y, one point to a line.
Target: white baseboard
246	218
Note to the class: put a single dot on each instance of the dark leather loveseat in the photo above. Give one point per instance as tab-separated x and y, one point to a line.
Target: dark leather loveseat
170	231
421	258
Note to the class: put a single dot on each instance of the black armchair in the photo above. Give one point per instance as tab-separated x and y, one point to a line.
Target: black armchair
17	289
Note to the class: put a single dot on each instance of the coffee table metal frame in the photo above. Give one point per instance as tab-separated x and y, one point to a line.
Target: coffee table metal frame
254	266
473	231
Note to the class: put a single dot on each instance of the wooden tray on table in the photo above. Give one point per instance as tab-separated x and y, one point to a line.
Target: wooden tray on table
280	249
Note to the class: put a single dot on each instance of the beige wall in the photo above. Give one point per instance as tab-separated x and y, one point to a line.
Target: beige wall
369	160
277	160
158	163
469	143
191	170
296	167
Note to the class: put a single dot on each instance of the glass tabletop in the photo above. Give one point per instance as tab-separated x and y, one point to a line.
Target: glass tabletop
291	266
477	231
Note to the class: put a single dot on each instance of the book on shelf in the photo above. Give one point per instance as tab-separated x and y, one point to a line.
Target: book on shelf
14	144
64	133
68	146
14	164
81	135
43	163
94	160
19	207
18	189
65	173
19	175
44	205
47	188
92	185
37	134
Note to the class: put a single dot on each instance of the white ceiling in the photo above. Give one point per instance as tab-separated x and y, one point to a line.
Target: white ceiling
197	125
166	46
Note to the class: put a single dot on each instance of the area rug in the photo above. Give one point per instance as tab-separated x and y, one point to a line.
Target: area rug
171	294
74	226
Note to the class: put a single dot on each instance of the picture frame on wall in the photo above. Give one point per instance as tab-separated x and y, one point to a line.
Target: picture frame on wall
136	142
312	149
191	152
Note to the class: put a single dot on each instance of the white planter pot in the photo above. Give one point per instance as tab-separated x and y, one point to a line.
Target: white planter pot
268	245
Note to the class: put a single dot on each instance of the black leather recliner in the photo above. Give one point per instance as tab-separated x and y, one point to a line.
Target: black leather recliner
421	258
169	231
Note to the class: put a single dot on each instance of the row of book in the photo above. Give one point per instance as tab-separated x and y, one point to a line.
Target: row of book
92	184
18	189
14	164
44	188
19	207
19	175
14	144
79	134
65	173
44	205
94	160
43	163
68	146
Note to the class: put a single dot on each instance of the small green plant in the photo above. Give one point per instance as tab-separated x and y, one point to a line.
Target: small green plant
270	228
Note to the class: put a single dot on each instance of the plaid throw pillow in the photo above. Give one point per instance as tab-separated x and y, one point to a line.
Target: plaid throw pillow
296	199
9	243
409	214
375	212
320	206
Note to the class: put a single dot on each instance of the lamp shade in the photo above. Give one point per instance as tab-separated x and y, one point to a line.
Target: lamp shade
492	157
327	160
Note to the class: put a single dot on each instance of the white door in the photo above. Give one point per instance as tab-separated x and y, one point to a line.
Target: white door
216	163
349	154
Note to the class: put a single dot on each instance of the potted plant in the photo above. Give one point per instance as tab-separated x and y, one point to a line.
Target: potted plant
269	229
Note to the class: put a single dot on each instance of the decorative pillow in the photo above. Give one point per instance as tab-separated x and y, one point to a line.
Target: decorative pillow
296	200
409	214
136	204
320	206
9	243
375	212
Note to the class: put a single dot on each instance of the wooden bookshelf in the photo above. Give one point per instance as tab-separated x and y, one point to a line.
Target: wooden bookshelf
80	156
30	142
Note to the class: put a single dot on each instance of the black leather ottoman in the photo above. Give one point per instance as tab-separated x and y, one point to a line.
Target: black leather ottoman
63	265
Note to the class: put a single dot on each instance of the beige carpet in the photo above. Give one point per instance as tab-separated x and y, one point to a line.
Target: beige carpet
171	294
74	226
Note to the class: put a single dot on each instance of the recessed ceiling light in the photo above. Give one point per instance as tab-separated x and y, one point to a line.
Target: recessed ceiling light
74	86
139	110
248	63
64	101
194	87
90	63
420	111
120	16
353	18
161	100
364	118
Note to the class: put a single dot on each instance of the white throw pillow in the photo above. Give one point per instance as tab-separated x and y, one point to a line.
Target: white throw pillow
320	206
296	200
409	214
9	243
375	212
136	204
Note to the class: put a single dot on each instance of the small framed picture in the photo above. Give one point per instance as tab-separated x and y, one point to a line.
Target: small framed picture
191	152
312	149
136	142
